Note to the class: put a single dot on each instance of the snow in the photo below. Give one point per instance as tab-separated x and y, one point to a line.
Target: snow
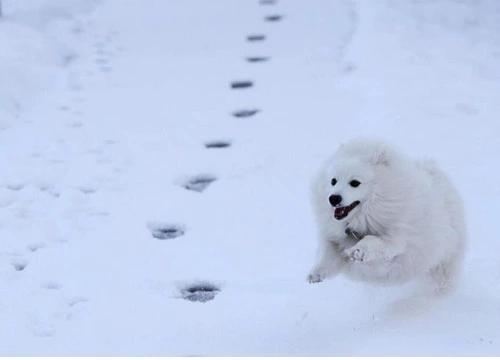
106	108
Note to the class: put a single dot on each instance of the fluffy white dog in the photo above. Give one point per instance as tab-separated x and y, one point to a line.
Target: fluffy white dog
387	219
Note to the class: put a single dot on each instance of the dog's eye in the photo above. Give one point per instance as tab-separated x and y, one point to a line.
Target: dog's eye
354	183
334	181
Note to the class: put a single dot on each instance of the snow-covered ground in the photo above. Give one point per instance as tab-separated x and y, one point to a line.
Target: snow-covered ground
106	108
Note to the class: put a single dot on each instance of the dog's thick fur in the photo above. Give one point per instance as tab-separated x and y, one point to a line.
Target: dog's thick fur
409	224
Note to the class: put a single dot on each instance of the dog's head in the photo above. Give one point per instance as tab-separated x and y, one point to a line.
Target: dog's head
350	187
352	175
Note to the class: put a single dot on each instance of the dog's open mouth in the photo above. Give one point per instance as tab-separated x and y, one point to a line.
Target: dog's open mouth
341	212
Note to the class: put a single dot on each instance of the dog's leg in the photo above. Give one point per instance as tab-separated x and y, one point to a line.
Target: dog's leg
384	260
373	248
443	278
329	262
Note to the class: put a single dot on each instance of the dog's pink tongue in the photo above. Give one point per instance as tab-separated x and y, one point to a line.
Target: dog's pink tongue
339	210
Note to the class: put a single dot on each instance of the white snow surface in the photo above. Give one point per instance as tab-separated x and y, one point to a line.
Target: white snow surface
105	107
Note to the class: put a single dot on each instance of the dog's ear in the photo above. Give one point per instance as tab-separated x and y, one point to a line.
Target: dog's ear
381	156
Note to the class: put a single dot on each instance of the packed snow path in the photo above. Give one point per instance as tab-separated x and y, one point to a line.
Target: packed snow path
156	203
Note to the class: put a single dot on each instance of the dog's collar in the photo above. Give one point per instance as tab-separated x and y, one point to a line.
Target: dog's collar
350	232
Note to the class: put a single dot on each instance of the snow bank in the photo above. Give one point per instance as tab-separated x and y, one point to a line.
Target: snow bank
35	46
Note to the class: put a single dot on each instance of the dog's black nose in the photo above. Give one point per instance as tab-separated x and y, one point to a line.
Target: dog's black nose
335	200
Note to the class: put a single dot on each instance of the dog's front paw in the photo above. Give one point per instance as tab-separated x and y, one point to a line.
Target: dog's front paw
358	253
315	277
370	249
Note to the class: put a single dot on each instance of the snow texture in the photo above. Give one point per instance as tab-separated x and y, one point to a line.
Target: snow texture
124	232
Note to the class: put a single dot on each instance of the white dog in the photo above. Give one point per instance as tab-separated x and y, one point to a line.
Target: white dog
387	219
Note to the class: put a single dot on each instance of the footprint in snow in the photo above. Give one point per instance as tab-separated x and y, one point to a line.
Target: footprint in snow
15	186
257	59
52	285
49	190
218	144
79	99
101	61
75	124
36	246
199	183
467	109
268	2
200	292
95	151
103	49
77	28
104	160
166	231
349	68
69	58
273	18
244	84
88	189
99	47
75	300
254	38
245	113
43	331
19	264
